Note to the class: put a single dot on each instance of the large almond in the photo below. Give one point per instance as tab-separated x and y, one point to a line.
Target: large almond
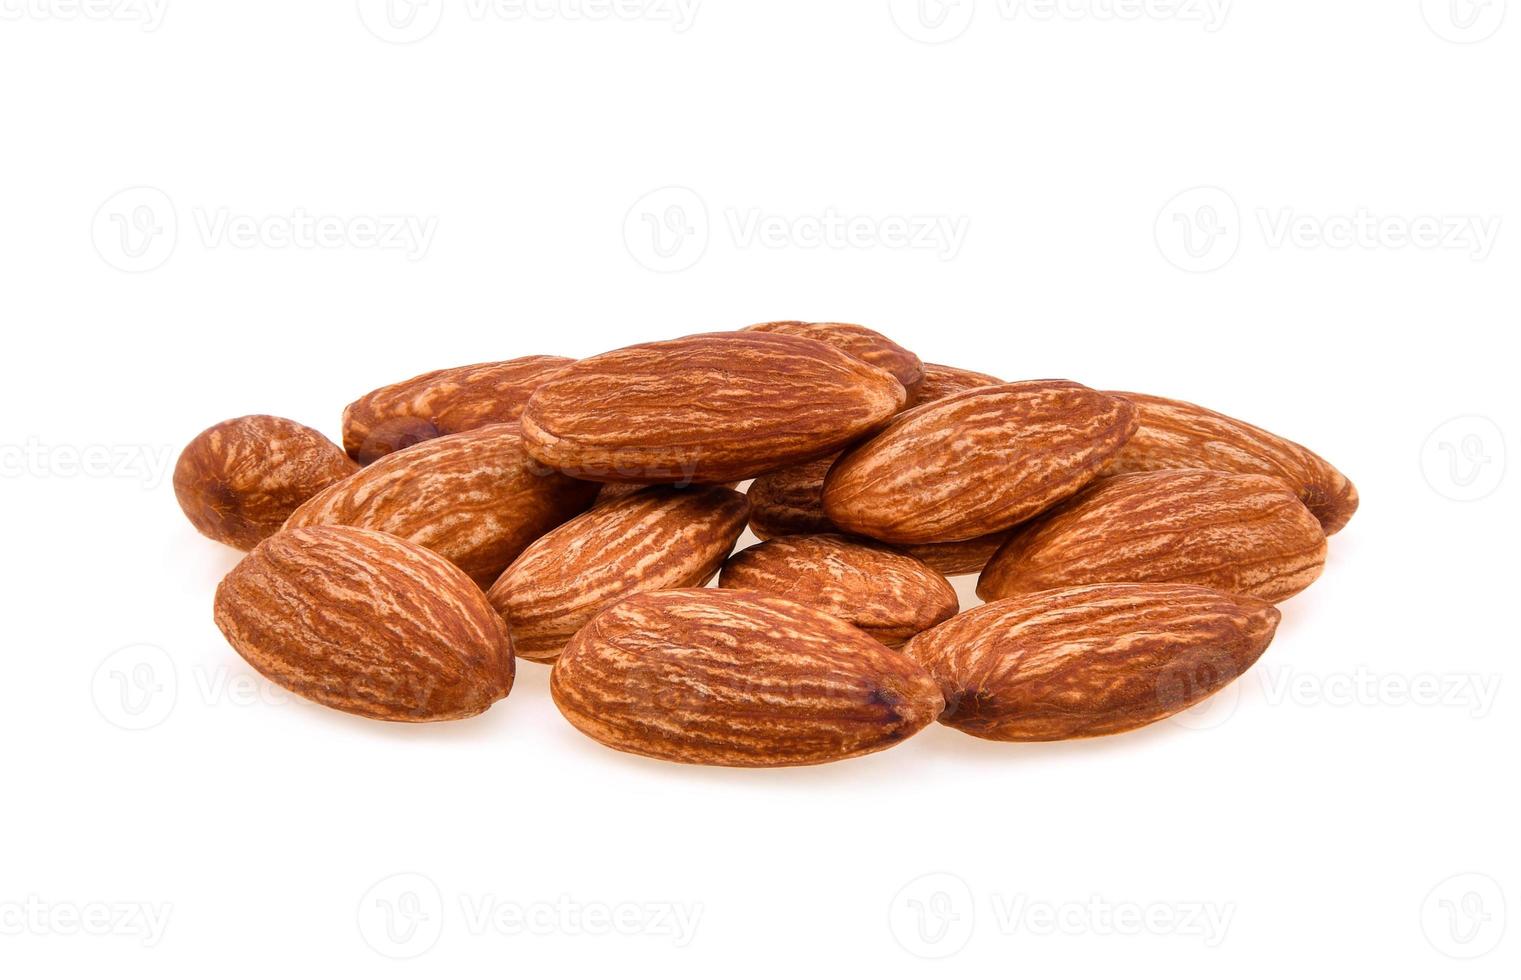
711	408
658	538
441	403
1091	660
1234	532
474	497
977	462
889	596
1176	435
727	678
862	342
366	623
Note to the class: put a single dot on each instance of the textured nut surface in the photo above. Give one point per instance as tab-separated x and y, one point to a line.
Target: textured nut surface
729	678
474	497
240	479
366	623
440	403
858	341
1176	435
957	557
1234	532
1091	660
711	408
941	381
658	538
977	462
889	596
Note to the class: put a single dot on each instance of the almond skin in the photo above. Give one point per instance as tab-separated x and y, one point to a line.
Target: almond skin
441	403
858	341
711	408
658	538
726	678
1238	533
474	497
1091	660
1176	435
888	596
941	381
366	623
240	479
977	462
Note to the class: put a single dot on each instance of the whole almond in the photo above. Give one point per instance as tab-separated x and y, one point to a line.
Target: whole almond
658	538
858	341
1176	435
711	408
366	623
240	479
888	596
728	678
474	497
1234	532
941	381
1091	660
977	462
440	403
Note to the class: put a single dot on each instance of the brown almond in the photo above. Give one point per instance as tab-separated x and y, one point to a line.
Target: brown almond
858	341
941	381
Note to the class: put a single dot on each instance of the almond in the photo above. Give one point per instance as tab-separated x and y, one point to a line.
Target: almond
977	462
1091	660
1233	532
712	408
239	480
366	623
729	678
474	497
858	341
658	538
941	381
617	491
888	596
441	403
1178	436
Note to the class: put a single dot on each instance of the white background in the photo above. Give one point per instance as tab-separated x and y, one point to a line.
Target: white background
1312	818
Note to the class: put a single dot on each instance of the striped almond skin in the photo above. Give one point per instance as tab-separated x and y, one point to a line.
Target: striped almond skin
888	596
977	462
941	381
659	538
366	623
858	341
711	408
1176	435
1239	533
239	480
617	491
474	497
727	678
441	403
1091	660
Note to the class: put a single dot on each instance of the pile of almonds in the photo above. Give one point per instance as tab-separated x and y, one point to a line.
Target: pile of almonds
1130	548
